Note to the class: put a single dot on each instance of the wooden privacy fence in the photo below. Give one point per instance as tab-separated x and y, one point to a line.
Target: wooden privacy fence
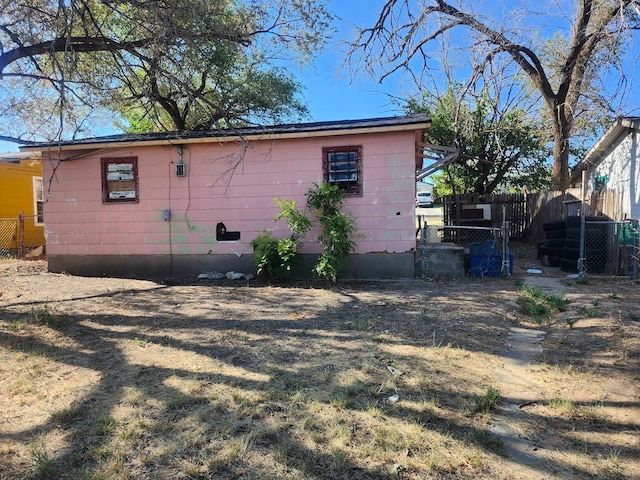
474	210
550	206
526	213
545	207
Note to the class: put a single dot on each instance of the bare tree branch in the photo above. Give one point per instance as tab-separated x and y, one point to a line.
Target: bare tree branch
19	141
88	54
405	31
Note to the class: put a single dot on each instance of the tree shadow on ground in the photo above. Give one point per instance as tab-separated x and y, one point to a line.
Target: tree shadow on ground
251	385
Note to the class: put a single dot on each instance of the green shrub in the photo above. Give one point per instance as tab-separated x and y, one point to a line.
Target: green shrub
266	257
275	258
540	305
488	401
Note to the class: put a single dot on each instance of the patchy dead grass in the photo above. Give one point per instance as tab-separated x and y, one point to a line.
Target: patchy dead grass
121	379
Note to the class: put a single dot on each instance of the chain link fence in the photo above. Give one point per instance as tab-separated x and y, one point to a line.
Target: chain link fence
9	228
591	245
465	250
18	242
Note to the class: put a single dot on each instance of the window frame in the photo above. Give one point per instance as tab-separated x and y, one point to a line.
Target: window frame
38	198
348	189
104	165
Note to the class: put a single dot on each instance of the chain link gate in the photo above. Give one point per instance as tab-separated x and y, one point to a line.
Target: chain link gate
9	231
591	245
605	247
19	238
480	251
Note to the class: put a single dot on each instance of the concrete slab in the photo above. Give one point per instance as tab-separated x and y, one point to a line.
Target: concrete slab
517	387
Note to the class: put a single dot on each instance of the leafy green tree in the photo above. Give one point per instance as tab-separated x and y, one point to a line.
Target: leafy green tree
567	70
208	95
499	148
161	63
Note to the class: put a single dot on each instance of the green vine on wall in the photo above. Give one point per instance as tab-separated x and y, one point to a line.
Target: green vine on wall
275	258
338	229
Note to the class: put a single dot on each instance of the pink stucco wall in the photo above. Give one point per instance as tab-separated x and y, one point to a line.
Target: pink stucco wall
78	223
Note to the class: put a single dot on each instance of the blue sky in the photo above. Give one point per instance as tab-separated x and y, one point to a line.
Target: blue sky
334	96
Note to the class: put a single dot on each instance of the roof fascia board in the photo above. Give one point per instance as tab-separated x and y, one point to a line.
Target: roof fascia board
240	138
602	147
618	130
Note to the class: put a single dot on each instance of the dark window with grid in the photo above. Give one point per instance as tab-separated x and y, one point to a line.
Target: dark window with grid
343	167
119	180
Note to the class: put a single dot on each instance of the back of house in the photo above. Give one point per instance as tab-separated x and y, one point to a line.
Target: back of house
152	205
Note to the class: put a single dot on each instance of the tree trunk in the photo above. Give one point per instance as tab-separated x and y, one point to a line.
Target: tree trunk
560	170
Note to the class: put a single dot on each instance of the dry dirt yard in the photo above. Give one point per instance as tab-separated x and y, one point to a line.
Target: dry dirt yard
106	378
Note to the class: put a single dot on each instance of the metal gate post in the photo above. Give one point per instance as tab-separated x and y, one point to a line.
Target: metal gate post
582	268
21	243
423	263
634	247
506	257
581	260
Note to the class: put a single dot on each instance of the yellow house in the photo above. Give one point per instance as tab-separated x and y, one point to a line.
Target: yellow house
21	201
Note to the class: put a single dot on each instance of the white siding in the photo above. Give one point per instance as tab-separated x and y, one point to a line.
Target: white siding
620	166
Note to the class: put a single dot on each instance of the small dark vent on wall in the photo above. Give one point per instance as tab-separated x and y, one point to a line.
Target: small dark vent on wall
223	235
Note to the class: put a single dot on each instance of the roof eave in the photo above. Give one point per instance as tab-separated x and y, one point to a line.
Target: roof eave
620	128
264	136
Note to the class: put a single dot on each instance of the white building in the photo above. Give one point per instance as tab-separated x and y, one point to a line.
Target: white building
612	166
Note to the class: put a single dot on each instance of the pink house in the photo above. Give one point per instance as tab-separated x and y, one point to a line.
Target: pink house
149	205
